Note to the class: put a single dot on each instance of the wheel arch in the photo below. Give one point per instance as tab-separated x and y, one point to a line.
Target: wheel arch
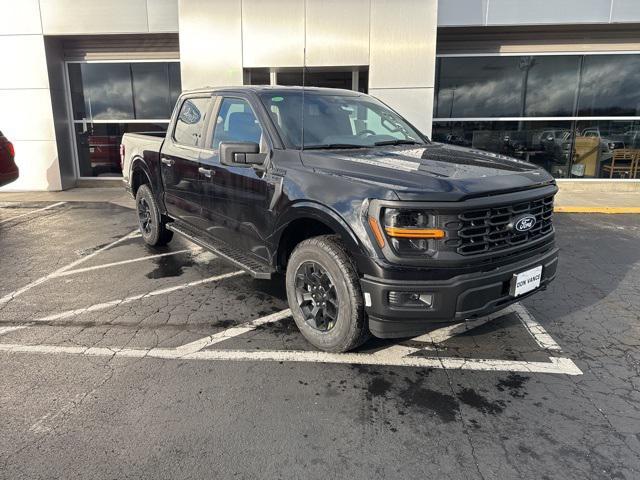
306	220
140	175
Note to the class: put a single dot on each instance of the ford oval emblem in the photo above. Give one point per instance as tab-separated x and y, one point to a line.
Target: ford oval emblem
524	223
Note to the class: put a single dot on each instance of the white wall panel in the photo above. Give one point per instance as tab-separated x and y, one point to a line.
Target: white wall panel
163	15
461	12
26	114
60	17
524	12
38	164
625	11
210	43
415	104
273	33
337	32
24	62
403	43
20	16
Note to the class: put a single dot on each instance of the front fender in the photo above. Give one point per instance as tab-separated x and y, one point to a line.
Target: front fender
354	242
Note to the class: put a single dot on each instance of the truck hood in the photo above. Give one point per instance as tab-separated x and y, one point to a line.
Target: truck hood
433	172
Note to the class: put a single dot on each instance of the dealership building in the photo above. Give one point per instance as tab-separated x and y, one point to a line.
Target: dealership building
554	82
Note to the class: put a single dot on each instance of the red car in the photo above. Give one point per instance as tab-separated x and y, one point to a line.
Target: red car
8	168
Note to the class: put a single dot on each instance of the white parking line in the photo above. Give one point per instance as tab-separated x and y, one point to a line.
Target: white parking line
388	357
232	332
536	330
7	298
124	301
123	262
33	211
554	365
5	330
443	334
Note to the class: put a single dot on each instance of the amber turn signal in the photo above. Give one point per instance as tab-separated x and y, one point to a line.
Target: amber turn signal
377	232
415	232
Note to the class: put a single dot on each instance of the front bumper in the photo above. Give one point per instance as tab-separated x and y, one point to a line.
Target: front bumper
458	298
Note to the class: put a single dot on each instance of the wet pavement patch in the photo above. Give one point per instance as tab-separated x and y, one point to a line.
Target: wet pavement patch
170	266
416	396
514	385
470	397
378	387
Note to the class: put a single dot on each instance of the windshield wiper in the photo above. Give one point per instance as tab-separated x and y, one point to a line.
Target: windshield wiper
397	142
329	146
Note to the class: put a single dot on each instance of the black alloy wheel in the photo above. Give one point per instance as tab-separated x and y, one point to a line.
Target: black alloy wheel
324	293
153	226
144	216
316	295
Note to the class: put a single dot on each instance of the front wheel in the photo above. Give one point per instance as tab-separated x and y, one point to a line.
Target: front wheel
324	294
152	227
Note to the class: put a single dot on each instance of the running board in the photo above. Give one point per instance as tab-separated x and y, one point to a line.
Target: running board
255	268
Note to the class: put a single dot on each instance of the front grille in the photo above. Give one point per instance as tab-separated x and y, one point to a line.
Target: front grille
488	229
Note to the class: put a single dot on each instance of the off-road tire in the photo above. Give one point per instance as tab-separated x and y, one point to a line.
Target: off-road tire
156	235
351	328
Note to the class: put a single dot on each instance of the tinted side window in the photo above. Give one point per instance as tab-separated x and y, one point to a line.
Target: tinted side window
191	121
236	122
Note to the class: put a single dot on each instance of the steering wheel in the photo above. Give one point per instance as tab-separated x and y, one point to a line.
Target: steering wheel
367	132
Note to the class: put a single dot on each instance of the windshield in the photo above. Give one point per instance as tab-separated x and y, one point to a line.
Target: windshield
336	121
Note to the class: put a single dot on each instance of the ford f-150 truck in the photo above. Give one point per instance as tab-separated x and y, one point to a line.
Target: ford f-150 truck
376	229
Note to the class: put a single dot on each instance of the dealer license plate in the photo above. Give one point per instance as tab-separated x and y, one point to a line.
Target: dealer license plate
524	282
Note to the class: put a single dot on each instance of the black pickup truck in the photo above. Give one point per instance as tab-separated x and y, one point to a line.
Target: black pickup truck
377	230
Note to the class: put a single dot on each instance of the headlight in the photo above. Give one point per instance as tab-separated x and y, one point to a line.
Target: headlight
411	232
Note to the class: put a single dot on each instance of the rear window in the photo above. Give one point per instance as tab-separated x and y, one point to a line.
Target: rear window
191	121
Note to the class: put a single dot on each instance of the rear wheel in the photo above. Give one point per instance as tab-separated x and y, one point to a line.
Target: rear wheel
324	294
152	226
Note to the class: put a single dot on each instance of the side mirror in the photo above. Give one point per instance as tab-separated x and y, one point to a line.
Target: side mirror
241	154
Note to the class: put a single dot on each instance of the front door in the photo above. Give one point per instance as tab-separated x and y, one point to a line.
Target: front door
236	203
179	161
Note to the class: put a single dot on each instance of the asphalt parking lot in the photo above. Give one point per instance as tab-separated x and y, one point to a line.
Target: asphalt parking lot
118	361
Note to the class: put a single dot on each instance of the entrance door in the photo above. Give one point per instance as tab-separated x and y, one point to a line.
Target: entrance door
237	198
180	158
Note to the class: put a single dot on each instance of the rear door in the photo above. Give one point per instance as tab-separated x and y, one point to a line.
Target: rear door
180	157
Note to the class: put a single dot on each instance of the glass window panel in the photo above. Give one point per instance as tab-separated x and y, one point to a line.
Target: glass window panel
151	93
610	86
99	145
191	121
290	77
106	92
598	142
236	122
175	84
257	76
124	91
479	87
552	84
544	143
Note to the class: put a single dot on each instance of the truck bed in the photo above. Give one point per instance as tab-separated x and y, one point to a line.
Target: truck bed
144	145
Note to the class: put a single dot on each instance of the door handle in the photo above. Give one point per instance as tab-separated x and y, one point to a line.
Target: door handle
168	162
205	171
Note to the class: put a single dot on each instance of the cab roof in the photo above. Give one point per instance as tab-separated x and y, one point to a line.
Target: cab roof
275	89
